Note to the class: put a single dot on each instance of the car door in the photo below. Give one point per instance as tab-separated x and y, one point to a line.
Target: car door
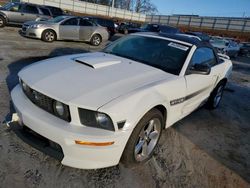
69	29
86	29
29	13
14	13
199	86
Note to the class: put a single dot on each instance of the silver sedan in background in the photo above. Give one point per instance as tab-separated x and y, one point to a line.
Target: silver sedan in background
66	28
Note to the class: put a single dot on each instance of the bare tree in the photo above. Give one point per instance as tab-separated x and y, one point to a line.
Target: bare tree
140	6
145	6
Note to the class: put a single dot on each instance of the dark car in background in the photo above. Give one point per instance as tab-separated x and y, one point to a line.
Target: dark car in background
155	28
109	24
202	36
52	11
125	27
245	48
55	11
18	13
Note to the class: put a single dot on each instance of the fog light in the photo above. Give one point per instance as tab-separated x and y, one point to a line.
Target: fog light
35	95
59	108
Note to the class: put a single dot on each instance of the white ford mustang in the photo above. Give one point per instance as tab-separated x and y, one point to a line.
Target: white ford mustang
108	106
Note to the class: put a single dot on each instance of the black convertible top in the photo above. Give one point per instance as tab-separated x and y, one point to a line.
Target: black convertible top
190	40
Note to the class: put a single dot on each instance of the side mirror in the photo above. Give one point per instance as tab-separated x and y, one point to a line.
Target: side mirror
200	69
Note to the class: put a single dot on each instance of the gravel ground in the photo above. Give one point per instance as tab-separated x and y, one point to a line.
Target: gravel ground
206	149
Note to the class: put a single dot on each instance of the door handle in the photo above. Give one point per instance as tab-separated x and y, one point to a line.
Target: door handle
22	14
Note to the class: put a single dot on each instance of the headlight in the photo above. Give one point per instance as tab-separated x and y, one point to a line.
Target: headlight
95	119
61	110
35	26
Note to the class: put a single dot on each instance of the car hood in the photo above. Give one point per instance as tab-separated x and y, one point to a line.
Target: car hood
89	80
39	22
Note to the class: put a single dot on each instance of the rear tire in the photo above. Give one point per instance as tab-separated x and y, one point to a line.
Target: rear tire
216	96
96	40
48	36
2	21
145	136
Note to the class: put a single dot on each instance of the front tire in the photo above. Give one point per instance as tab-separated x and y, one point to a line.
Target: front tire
2	21
96	40
48	36
216	96
144	138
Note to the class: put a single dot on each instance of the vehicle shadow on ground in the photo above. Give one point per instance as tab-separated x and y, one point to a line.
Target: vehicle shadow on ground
223	134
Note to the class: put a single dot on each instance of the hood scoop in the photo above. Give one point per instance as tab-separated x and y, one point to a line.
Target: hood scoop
97	61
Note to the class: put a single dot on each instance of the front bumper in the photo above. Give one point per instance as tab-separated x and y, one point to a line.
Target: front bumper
32	33
65	134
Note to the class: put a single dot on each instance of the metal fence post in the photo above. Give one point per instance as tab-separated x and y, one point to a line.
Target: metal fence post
244	25
159	19
214	23
189	22
201	22
228	24
178	20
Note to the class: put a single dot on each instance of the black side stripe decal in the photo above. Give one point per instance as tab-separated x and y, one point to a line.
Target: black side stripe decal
181	100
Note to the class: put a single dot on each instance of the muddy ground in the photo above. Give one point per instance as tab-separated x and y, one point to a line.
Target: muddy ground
206	149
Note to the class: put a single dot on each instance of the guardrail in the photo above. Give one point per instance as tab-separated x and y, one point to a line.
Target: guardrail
92	9
214	23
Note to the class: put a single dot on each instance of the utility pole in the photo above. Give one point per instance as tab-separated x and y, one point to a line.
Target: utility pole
113	4
243	14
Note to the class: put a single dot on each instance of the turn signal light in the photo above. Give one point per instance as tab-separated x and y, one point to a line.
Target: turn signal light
94	143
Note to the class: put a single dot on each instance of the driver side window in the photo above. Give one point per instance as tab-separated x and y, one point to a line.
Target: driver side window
203	56
15	8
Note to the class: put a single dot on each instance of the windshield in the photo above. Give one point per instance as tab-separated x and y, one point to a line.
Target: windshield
8	6
219	42
57	19
159	53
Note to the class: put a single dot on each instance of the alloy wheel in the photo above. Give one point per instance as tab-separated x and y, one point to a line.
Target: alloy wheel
148	138
1	22
218	96
49	36
96	40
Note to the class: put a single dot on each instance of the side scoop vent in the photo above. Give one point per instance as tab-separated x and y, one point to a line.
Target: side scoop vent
84	63
96	62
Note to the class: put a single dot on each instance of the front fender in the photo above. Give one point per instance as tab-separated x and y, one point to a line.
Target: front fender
134	106
3	15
